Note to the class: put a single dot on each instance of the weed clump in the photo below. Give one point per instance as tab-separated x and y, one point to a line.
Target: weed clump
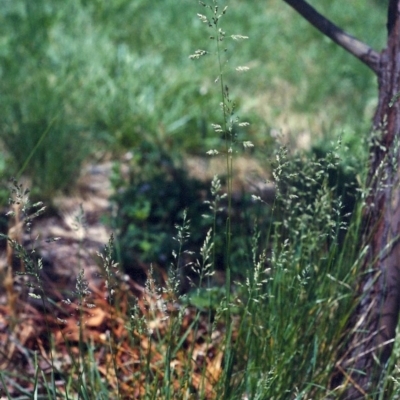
272	331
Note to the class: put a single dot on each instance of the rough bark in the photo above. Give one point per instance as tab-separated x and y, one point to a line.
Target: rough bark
375	321
373	326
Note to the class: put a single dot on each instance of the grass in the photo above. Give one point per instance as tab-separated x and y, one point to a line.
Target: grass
271	332
100	77
286	321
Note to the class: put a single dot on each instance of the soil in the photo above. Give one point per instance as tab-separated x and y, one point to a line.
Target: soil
78	222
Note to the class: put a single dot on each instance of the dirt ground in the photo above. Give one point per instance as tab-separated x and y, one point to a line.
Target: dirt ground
78	221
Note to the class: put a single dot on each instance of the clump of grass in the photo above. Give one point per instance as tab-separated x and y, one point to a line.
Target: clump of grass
23	212
272	335
285	322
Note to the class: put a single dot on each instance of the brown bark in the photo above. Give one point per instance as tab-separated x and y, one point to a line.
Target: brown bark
373	326
375	321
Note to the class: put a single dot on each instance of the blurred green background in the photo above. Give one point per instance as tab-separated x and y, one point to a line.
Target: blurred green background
85	78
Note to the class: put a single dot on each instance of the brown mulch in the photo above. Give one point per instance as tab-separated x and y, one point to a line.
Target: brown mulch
58	331
25	335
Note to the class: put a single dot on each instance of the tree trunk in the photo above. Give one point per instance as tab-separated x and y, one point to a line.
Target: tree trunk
375	321
373	325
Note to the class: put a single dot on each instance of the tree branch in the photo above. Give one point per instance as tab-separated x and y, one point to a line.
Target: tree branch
392	15
354	46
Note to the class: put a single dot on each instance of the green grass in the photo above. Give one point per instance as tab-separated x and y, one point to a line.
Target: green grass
286	318
119	73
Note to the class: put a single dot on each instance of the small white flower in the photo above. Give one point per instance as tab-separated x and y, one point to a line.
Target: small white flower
203	18
217	128
247	144
212	152
242	69
239	37
197	54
